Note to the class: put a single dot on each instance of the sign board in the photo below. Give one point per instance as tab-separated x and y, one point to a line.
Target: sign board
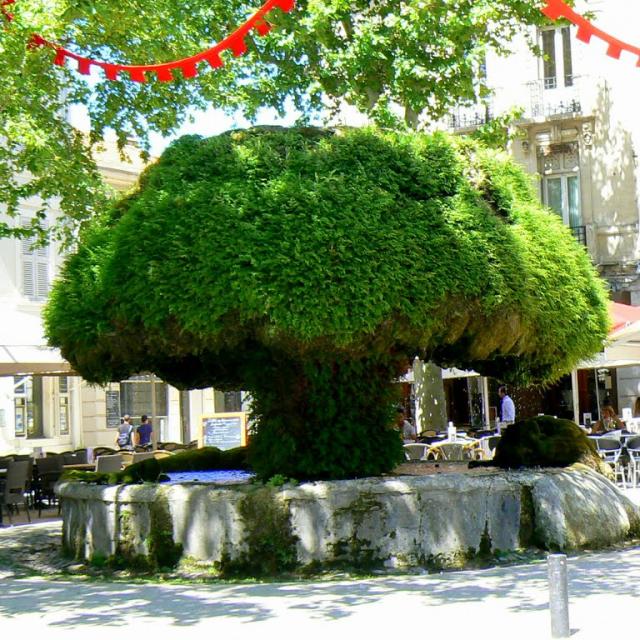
223	430
113	409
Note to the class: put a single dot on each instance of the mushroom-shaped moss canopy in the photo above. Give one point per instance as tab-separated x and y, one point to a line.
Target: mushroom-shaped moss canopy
316	243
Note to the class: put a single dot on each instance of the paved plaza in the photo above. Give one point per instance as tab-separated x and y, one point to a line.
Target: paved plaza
506	602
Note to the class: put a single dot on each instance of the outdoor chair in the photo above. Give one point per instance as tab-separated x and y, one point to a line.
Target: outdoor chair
82	456
488	446
48	472
15	487
139	457
127	457
415	451
103	451
452	451
609	450
158	455
633	449
109	464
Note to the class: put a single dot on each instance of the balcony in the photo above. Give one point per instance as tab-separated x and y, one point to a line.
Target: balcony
471	117
548	100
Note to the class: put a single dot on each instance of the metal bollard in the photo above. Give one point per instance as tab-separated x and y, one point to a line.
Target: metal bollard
558	595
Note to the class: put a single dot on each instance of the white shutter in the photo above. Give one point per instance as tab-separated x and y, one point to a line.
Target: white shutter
28	279
35	268
42	279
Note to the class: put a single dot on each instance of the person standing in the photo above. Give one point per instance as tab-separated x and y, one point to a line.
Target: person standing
143	433
508	408
124	439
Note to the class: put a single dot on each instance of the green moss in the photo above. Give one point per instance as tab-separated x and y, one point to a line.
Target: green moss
527	537
544	441
163	551
354	552
485	547
151	470
295	263
270	546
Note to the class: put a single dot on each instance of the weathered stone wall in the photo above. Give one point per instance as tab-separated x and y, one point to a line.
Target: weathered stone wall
403	521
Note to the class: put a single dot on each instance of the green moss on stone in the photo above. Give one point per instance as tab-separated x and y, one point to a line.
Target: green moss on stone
270	545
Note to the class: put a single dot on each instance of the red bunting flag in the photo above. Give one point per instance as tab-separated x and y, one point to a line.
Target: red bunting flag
164	72
556	9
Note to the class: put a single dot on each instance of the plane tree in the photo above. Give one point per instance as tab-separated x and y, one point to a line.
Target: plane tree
422	56
310	266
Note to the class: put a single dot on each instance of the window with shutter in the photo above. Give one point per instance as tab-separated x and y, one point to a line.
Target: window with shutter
35	268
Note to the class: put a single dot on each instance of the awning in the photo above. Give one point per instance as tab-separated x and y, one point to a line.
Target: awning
623	346
23	349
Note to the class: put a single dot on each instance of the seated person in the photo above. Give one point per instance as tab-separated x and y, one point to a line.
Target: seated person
406	429
609	421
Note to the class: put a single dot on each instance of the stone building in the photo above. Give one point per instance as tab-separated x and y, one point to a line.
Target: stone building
42	404
578	135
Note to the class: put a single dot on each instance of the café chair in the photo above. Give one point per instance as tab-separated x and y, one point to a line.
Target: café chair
109	464
633	449
15	487
415	451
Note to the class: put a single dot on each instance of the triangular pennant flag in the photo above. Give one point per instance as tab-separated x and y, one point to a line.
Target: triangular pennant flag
213	58
60	57
164	74
262	27
285	5
84	66
238	46
614	50
111	71
584	34
189	69
137	75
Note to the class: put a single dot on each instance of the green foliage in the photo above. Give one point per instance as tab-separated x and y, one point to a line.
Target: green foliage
270	544
150	470
309	267
544	441
422	56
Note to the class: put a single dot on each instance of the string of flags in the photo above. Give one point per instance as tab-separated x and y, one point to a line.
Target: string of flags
164	72
556	9
258	23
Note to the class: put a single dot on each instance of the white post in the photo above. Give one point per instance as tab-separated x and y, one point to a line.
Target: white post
558	595
485	402
154	423
575	395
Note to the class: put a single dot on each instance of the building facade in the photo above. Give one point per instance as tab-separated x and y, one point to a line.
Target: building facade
43	406
578	136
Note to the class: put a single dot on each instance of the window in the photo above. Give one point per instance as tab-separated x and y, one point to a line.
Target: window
561	184
35	268
63	405
135	397
28	405
557	63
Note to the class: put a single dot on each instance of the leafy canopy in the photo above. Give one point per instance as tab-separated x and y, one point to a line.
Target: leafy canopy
422	55
352	244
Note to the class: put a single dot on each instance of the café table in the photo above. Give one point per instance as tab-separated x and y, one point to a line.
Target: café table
88	466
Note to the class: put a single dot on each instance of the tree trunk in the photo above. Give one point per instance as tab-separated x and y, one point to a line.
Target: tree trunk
325	419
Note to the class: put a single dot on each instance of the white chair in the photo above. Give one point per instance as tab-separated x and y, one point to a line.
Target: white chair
633	470
109	464
610	450
415	451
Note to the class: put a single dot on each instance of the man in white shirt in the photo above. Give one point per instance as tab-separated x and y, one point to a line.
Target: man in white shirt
508	408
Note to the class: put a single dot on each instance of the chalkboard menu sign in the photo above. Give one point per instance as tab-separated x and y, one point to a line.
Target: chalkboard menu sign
113	409
224	430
